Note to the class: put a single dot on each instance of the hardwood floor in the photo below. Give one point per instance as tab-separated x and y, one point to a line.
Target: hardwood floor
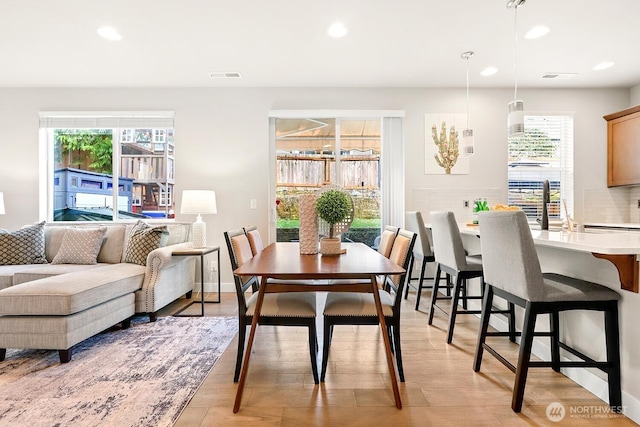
440	389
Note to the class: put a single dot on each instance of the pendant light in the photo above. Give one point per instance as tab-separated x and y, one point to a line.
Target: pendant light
467	134
515	119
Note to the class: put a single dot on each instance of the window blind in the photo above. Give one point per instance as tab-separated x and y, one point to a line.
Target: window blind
105	119
545	152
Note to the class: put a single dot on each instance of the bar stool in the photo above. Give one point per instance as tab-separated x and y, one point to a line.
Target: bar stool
512	271
453	260
422	252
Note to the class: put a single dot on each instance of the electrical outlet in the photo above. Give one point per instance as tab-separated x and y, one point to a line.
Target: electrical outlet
466	203
638	203
212	266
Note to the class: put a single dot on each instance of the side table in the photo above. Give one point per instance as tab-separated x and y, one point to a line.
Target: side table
201	252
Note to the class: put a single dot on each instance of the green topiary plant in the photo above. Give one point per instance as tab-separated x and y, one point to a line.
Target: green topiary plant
333	206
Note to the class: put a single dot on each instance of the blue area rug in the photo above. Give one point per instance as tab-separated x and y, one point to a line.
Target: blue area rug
141	376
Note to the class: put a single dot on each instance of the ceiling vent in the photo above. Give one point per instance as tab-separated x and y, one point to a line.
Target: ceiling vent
225	75
559	76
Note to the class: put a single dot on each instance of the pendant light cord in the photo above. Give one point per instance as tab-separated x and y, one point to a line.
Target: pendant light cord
467	93
515	50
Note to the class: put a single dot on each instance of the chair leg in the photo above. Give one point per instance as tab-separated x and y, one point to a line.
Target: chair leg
554	324
487	301
313	351
448	285
454	308
464	294
423	270
612	332
396	344
512	322
328	330
242	331
434	293
409	271
524	357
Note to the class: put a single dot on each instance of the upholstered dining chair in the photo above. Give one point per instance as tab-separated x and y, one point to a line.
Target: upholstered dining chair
278	309
387	238
512	271
353	308
422	253
255	240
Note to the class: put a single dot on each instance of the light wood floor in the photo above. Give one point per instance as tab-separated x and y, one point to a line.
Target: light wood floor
440	389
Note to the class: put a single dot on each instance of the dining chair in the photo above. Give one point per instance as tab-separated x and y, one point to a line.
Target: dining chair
387	238
353	308
278	309
452	259
422	252
255	240
512	271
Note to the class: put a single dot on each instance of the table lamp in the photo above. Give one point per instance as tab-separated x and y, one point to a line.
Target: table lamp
1	204
199	202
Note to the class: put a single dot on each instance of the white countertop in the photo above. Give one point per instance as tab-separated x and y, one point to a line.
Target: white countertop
602	243
633	225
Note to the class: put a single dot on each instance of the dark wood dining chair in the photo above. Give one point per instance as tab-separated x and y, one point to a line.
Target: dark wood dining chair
353	308
512	271
278	309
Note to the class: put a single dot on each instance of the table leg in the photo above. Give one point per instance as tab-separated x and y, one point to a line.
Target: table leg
247	351
387	343
202	282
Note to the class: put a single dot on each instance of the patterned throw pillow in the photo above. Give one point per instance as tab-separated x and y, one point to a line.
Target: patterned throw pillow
24	246
142	240
80	246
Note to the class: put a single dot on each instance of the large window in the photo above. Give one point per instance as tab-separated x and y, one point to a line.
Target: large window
108	166
544	152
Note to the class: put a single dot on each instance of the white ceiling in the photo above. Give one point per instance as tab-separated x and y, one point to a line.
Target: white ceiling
283	43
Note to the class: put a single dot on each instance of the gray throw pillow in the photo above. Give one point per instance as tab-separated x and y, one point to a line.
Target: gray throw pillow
80	246
24	246
143	239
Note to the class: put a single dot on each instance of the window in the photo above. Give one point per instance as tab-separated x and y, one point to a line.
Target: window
544	152
123	163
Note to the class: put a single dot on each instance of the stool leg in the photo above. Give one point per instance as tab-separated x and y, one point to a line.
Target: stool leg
464	294
421	280
434	293
409	271
613	356
554	324
524	356
512	322
454	307
484	326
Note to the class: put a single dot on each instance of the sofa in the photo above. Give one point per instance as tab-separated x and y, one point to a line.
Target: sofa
61	284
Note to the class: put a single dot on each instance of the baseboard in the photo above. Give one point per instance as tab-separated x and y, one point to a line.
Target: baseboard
583	377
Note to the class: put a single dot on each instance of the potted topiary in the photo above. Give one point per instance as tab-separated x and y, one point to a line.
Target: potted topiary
334	207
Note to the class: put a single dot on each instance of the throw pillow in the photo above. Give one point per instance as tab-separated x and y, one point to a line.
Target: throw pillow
24	246
143	239
80	246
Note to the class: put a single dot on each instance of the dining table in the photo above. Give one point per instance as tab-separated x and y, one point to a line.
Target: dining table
282	268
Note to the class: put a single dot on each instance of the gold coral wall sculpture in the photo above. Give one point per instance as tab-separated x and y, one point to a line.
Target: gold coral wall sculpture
447	154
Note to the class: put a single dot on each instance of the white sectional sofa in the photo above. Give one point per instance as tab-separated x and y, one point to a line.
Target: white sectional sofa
80	284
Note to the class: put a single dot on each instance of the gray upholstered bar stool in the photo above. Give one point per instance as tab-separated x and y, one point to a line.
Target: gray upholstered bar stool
451	258
512	271
422	253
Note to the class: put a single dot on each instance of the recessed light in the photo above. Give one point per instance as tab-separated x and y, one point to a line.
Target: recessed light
109	33
603	65
337	30
489	71
537	32
225	75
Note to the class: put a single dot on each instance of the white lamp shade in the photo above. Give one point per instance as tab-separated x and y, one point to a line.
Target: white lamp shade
198	202
467	142
1	204
515	120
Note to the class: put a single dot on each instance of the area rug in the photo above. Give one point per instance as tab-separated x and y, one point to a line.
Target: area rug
141	376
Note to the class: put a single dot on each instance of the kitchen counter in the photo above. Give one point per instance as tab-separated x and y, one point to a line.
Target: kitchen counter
621	249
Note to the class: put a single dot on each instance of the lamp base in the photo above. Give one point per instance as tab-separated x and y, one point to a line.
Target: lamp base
199	233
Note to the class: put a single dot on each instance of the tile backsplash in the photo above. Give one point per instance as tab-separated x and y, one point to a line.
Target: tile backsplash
611	205
426	200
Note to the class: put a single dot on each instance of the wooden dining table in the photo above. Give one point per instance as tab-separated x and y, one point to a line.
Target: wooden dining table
318	273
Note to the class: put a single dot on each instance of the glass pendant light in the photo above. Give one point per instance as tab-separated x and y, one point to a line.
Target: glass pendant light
467	134
515	119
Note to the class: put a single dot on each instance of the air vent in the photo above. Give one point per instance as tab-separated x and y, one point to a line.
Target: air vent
225	75
559	76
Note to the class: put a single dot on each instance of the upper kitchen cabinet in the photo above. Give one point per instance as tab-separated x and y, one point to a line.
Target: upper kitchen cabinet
623	147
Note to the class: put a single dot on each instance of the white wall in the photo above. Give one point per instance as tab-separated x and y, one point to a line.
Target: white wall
635	96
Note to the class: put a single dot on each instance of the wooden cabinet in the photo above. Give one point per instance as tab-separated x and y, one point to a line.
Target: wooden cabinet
623	147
